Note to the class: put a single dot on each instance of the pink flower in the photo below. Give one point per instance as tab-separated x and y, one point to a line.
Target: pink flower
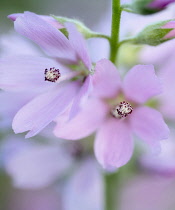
160	4
114	119
51	77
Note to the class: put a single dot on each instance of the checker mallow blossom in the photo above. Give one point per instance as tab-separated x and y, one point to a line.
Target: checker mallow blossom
117	111
59	87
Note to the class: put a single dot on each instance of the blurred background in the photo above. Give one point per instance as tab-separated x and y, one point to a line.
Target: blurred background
45	173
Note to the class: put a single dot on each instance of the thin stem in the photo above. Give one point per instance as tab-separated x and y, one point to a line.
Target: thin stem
111	185
96	35
115	29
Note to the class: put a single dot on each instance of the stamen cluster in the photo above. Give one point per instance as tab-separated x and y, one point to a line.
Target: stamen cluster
52	75
123	109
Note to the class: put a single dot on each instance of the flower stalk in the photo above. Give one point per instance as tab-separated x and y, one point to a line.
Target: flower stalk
115	30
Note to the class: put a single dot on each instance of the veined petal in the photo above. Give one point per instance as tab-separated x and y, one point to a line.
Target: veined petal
149	125
18	73
106	79
48	19
141	83
43	109
45	35
81	97
84	123
113	144
79	44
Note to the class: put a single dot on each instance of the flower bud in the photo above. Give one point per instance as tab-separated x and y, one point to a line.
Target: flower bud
156	34
146	7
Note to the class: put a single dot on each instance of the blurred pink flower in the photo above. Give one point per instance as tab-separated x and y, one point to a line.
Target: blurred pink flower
113	119
160	4
47	75
35	166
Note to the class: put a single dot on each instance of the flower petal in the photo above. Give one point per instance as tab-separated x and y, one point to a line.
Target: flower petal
85	188
25	72
106	79
48	19
45	35
149	125
113	144
79	44
141	83
81	97
36	166
84	123
43	109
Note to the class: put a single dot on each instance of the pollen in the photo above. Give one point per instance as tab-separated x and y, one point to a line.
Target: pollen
52	74
122	110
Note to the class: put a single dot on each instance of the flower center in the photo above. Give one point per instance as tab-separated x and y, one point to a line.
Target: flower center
52	75
123	109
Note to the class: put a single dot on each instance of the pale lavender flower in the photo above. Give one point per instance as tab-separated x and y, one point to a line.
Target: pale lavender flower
114	119
49	76
35	166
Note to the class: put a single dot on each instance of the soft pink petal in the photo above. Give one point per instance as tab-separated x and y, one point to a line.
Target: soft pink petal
25	72
149	125
141	83
45	35
113	143
79	44
106	79
48	19
43	109
37	166
85	189
160	4
84	123
81	97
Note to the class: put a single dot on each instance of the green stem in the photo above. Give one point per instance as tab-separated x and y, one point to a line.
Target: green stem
115	29
112	183
96	35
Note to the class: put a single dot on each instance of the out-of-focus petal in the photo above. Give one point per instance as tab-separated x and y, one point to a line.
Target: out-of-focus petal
81	97
141	83
85	188
45	199
167	99
37	166
84	123
79	44
9	109
106	79
113	144
42	110
149	125
45	35
19	73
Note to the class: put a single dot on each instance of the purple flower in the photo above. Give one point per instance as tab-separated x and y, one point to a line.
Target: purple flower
117	112
51	77
160	4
